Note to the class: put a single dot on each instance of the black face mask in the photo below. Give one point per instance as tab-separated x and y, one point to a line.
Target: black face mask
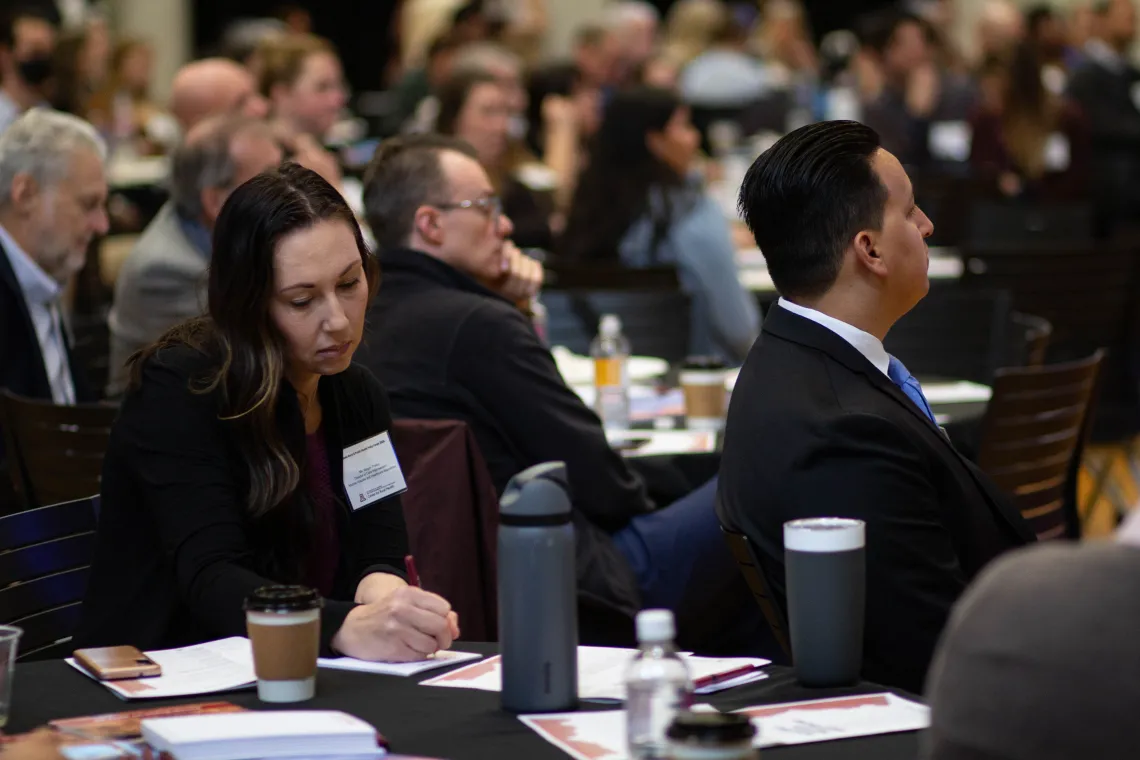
36	70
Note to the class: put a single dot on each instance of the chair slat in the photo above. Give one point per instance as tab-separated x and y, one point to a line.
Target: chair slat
23	599
48	627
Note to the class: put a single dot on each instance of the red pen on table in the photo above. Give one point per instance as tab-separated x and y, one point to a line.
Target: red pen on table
730	675
413	576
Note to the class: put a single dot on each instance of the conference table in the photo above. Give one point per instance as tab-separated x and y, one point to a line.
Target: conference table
432	722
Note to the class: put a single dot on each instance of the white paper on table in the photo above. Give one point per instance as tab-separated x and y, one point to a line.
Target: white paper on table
753	274
440	659
601	671
583	735
744	680
958	392
214	666
822	720
657	442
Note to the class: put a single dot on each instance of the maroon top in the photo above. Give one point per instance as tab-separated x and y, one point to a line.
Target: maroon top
324	556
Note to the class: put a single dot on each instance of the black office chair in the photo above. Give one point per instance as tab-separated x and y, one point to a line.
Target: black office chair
753	573
44	559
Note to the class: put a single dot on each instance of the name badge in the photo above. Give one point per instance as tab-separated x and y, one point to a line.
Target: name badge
372	472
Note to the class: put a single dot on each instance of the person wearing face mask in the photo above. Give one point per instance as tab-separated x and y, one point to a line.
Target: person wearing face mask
229	466
27	46
637	201
53	194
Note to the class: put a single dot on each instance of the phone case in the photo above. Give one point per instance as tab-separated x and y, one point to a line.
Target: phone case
117	663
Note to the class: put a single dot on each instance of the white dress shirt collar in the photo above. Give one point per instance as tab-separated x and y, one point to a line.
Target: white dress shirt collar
863	342
39	288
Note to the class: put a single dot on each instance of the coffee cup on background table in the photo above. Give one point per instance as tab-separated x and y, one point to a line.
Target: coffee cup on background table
702	382
284	625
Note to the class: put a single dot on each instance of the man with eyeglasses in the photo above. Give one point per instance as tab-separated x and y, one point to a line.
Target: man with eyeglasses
446	338
163	280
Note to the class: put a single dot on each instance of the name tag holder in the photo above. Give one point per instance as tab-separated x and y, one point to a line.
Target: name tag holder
372	472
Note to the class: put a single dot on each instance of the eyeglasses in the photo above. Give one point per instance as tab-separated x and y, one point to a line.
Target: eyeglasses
491	206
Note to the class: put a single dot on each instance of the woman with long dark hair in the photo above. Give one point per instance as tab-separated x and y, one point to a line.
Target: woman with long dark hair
639	203
1027	140
236	458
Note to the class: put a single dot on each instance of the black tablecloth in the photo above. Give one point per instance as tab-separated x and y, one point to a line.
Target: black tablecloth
459	724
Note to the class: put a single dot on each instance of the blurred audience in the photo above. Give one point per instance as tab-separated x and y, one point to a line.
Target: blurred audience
1030	143
27	49
213	87
1105	85
690	28
904	89
302	79
82	65
123	109
784	41
53	198
1031	664
163	280
1000	28
639	203
725	74
418	84
596	55
476	108
633	24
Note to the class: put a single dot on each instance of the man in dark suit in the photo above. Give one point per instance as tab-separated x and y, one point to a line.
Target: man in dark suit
447	340
823	422
52	202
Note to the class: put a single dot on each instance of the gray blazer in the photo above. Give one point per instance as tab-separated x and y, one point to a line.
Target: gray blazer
1040	659
162	282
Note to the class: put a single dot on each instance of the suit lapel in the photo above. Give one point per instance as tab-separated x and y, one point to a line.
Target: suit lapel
8	280
784	324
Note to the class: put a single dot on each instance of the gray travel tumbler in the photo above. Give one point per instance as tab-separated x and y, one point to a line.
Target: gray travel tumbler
538	612
825	573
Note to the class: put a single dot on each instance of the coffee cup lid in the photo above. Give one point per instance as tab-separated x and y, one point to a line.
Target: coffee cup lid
703	363
711	728
283	599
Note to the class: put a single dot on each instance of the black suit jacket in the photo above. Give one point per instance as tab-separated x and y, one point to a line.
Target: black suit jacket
445	347
176	550
21	360
814	429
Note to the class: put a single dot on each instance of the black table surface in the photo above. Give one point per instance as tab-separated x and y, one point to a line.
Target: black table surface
459	724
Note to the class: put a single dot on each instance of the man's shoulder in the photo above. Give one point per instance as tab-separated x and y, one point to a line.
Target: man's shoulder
163	248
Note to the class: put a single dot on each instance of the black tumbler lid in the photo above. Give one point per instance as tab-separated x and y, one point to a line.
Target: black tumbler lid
711	728
283	599
703	363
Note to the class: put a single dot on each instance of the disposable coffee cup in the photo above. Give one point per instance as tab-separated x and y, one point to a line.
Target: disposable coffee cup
702	382
825	573
284	625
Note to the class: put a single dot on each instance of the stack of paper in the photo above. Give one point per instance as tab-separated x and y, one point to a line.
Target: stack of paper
246	735
440	659
207	668
601	672
601	735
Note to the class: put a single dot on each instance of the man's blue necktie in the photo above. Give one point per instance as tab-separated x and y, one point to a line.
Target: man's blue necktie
909	385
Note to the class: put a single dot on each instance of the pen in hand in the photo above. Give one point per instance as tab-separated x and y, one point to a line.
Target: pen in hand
413	576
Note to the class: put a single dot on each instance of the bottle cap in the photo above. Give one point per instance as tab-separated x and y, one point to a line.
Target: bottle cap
655	625
610	325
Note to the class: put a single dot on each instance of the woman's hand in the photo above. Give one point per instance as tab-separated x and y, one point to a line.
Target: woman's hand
409	624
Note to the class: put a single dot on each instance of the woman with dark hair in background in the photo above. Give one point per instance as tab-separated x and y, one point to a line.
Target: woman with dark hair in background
639	203
475	107
224	468
1026	140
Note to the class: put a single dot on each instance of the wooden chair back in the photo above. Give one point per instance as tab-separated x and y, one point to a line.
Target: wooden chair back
55	453
1033	436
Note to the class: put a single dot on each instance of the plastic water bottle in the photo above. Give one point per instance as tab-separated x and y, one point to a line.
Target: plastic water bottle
657	686
538	607
610	351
